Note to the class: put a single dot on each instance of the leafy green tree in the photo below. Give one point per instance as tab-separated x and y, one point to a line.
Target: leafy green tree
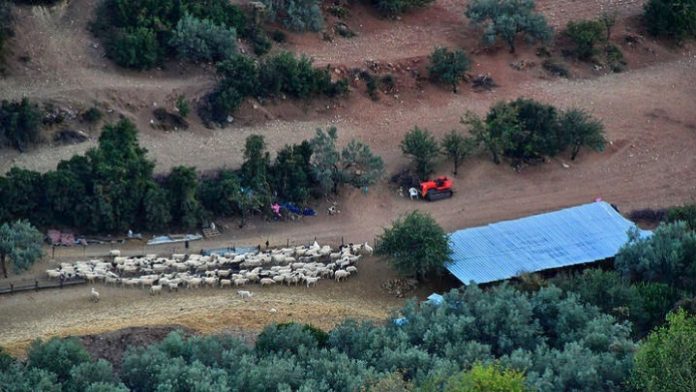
182	106
505	19
415	245
157	209
106	387
182	187
21	243
585	34
482	135
457	147
448	67
666	360
685	213
57	356
296	15
671	18
19	123
359	166
17	378
256	165
581	130
421	145
668	256
221	194
87	373
325	159
486	378
136	48
202	40
22	194
291	172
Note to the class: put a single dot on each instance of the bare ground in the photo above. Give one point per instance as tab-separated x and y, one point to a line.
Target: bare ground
647	111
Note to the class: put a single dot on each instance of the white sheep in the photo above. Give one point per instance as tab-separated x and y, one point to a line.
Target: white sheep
225	283
311	281
341	274
244	293
367	249
115	253
172	286
352	269
155	289
240	281
94	295
267	282
194	282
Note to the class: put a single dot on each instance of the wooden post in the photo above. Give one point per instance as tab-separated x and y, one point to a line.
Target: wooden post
287	243
11	288
342	241
36	285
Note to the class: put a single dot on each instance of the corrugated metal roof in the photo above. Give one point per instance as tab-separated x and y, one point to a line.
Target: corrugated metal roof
502	250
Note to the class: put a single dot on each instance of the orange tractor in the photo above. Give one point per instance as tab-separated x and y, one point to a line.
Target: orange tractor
437	189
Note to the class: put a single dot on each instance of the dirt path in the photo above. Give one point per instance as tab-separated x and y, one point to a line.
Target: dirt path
69	312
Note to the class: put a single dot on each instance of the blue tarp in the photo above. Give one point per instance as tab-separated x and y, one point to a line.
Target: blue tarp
577	235
297	210
435	299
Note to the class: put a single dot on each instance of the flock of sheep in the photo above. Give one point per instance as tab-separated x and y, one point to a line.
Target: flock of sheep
291	266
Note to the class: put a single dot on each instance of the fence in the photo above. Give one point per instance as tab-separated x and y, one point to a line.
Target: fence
37	286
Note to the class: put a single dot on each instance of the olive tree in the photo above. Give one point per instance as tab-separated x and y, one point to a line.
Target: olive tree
457	147
415	245
359	166
325	159
580	129
448	67
421	145
505	19
671	18
21	243
203	40
666	360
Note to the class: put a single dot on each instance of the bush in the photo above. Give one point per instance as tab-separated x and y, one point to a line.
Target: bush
392	8
585	35
505	19
685	213
555	67
615	58
92	115
182	106
202	40
279	36
448	67
262	44
296	15
416	245
671	18
486	378
136	48
21	243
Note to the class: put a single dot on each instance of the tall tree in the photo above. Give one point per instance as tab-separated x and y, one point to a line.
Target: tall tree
580	129
182	187
415	245
666	361
506	19
325	159
359	166
457	147
421	145
256	163
21	243
157	209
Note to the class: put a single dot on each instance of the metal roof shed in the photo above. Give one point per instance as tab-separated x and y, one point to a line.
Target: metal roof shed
502	250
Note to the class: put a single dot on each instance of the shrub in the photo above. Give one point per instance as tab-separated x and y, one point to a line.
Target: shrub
19	123
262	44
457	147
416	245
296	15
486	378
505	19
615	58
92	115
392	8
182	106
136	48
448	67
202	40
279	36
685	213
585	35
671	18
580	129
556	67
21	243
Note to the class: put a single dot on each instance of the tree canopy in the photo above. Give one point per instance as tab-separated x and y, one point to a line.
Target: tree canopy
422	147
505	19
416	245
671	18
20	242
448	67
